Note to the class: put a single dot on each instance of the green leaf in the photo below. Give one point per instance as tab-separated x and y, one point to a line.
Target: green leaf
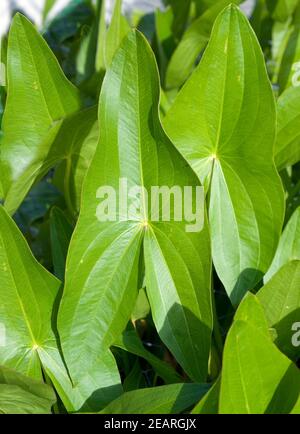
281	33
230	104
173	399
287	146
48	5
39	97
282	9
115	34
256	377
29	292
191	45
102	266
288	75
28	320
251	312
289	245
129	341
181	11
60	232
91	52
179	294
165	41
142	307
100	61
209	404
74	148
280	298
20	394
135	379
69	23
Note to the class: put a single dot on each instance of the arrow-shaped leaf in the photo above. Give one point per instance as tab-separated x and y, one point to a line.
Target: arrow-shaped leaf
192	44
28	319
102	265
35	80
229	103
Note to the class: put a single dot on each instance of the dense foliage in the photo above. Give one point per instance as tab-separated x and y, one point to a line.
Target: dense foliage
135	315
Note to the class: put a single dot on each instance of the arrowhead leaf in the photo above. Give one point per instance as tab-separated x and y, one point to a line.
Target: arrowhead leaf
191	45
27	133
102	265
27	316
229	103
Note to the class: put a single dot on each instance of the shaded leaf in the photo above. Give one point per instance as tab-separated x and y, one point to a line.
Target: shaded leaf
115	34
129	341
280	298
28	318
287	146
256	377
60	232
209	404
74	148
289	245
173	399
20	394
282	9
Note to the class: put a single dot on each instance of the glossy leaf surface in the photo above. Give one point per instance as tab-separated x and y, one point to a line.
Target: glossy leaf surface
229	102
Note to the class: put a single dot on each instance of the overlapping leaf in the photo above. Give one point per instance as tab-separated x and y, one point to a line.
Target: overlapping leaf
289	245
73	148
282	9
170	399
115	34
256	377
209	404
288	74
60	233
39	98
223	123
102	265
20	394
130	342
280	298
287	146
31	294
192	44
